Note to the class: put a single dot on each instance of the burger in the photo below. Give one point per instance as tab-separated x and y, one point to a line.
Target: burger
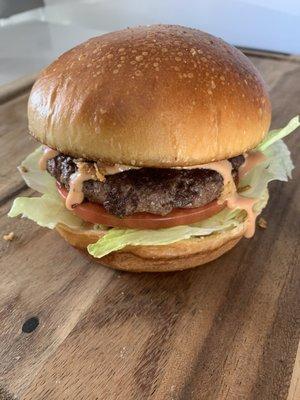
155	148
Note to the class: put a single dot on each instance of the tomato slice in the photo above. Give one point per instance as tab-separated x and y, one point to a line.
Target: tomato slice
96	214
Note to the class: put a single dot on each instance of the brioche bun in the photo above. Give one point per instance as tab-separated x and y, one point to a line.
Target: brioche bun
157	96
176	256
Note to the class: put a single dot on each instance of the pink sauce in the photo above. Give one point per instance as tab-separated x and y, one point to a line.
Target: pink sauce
88	172
48	154
232	198
244	203
107	169
224	168
252	159
75	195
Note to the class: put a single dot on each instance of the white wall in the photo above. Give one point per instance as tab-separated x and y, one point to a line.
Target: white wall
264	24
31	40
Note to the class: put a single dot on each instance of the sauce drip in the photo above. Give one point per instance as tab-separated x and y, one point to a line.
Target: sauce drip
111	169
97	171
244	203
230	196
48	154
75	195
224	168
252	159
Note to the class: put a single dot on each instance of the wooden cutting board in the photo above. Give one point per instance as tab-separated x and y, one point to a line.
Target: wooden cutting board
71	329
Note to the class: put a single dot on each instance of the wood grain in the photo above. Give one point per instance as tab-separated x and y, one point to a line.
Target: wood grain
16	88
294	391
229	330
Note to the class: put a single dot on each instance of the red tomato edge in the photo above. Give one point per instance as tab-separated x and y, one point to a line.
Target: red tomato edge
96	214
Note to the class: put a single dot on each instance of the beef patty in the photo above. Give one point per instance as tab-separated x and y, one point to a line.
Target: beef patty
153	190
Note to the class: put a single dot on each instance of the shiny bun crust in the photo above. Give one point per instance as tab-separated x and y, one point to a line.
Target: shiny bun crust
177	256
159	96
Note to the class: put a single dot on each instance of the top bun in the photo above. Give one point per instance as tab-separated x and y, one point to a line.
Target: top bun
154	96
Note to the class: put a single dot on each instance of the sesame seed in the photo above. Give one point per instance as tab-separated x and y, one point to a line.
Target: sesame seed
145	53
132	62
222	78
209	92
155	64
190	75
121	50
213	85
138	73
109	55
139	58
177	59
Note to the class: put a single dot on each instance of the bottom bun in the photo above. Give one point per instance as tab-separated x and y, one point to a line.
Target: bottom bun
181	255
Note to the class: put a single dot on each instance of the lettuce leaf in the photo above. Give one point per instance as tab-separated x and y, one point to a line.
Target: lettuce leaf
34	177
276	134
278	166
116	239
49	209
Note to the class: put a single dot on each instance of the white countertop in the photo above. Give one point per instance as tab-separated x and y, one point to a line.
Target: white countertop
31	40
